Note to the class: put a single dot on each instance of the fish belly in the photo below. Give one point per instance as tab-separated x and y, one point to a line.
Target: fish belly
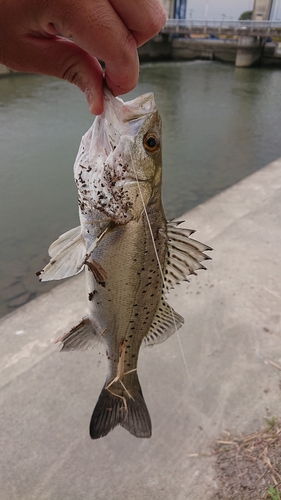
122	309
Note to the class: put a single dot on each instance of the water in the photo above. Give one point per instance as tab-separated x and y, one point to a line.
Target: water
220	124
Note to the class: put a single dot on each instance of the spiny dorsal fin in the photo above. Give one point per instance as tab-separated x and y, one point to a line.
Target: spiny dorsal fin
80	338
184	254
166	322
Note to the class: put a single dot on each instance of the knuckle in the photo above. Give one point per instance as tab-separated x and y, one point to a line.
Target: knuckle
70	70
128	48
157	22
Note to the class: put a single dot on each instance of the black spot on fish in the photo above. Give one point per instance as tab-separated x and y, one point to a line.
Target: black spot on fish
91	295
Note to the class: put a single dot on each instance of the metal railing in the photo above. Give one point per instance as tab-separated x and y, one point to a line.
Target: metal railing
218	23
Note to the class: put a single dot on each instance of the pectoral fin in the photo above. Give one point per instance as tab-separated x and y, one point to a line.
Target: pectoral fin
69	254
68	258
64	240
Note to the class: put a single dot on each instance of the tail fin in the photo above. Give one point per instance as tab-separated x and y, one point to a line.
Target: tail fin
128	411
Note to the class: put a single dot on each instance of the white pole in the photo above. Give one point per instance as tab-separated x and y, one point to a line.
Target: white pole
206	9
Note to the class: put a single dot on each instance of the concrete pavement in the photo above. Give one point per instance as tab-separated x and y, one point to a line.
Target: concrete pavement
232	327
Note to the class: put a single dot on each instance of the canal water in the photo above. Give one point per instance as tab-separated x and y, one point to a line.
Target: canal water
220	124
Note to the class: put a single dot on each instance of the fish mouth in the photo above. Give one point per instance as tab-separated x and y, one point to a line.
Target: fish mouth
126	118
126	112
113	133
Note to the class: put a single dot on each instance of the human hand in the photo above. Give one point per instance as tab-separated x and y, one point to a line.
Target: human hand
109	30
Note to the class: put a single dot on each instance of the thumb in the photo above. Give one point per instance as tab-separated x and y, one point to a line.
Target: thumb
57	56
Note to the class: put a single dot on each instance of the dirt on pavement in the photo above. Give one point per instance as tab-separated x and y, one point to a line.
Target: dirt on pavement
249	467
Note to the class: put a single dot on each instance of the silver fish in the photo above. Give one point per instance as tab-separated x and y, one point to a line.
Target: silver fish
132	256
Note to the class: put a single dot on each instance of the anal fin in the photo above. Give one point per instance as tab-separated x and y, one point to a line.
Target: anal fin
79	338
165	322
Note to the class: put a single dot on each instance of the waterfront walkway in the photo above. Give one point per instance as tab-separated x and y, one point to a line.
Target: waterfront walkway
232	328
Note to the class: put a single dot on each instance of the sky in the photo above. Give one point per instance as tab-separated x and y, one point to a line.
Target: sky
217	9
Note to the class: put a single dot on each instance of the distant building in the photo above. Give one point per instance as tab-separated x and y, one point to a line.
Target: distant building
169	7
262	10
175	9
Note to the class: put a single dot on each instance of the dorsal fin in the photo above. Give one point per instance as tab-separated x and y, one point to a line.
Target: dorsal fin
184	254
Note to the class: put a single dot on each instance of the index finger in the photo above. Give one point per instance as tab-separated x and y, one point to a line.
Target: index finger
97	28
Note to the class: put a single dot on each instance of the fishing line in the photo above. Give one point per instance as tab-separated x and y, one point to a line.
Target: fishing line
162	274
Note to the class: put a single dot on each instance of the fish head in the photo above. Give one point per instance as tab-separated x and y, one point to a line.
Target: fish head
118	166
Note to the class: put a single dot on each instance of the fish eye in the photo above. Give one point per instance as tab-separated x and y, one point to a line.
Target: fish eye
151	142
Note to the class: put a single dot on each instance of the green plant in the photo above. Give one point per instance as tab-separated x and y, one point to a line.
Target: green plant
273	494
246	16
270	422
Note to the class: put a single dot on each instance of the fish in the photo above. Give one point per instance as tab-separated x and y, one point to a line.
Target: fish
132	256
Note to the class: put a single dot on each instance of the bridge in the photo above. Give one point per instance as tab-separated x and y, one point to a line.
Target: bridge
223	27
251	35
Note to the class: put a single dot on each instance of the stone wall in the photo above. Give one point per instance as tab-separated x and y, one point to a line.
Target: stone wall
165	47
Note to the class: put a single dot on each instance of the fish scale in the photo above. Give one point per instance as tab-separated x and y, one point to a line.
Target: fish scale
131	255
